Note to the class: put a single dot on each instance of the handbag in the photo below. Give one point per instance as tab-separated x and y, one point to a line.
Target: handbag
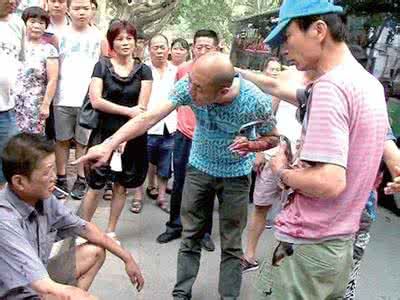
89	117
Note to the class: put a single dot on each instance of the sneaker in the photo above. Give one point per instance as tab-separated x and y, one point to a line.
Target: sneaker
207	243
79	189
248	266
168	236
61	189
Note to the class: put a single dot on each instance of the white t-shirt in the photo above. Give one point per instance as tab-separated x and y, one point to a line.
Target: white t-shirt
79	52
12	35
58	30
159	93
287	125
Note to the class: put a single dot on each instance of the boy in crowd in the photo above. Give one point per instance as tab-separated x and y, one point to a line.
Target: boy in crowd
79	49
31	219
12	36
59	19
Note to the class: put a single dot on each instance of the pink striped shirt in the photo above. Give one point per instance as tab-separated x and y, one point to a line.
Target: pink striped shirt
345	125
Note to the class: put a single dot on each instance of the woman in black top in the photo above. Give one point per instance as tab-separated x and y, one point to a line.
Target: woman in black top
120	90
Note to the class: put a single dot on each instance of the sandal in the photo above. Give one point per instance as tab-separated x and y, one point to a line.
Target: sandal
163	206
107	196
136	206
152	192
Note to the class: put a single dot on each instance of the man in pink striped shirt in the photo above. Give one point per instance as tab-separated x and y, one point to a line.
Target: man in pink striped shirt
341	148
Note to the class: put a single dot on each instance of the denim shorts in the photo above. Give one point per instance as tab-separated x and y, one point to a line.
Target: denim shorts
159	148
8	128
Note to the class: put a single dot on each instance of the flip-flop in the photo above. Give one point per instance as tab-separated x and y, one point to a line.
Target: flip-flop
136	206
163	206
152	192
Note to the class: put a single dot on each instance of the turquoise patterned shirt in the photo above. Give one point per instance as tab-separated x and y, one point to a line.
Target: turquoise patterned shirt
218	125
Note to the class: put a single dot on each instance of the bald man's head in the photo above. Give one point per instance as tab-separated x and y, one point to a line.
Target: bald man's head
212	76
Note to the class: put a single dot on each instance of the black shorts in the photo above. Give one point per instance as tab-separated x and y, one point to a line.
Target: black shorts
134	163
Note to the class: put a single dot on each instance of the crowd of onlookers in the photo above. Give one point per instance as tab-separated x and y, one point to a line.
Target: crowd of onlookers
148	108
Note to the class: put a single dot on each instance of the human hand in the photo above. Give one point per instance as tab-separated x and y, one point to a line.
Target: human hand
44	111
134	274
65	292
280	159
259	163
97	155
240	146
134	111
394	186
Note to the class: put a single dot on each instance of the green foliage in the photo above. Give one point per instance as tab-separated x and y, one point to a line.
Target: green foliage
210	14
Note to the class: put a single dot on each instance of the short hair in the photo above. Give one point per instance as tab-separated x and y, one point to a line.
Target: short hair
23	153
181	41
35	12
159	35
206	33
116	28
70	1
336	24
269	59
95	3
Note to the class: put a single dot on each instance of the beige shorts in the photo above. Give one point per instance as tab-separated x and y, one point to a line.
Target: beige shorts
266	190
66	124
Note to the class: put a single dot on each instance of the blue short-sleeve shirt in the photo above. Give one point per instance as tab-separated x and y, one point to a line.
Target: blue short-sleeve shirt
218	125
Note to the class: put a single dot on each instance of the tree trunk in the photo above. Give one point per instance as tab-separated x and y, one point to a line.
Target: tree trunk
151	16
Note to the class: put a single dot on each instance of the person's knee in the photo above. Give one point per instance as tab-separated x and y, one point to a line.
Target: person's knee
98	253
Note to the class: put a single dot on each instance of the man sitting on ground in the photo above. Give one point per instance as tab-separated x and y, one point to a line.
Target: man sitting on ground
31	219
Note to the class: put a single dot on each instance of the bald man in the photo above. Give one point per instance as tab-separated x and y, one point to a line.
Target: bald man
222	103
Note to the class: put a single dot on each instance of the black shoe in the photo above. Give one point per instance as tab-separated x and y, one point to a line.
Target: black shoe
61	190
166	236
248	266
79	189
207	243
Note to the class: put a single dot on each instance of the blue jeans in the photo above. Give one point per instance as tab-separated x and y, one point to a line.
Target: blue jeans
8	128
180	156
159	149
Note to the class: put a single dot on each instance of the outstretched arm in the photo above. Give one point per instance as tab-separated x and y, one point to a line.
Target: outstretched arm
283	87
100	154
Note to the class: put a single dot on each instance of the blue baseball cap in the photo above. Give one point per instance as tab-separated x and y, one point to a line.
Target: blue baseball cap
291	9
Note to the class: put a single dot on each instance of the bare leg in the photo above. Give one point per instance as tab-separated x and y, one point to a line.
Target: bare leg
89	204
117	204
151	175
138	193
62	155
162	188
80	151
256	228
89	260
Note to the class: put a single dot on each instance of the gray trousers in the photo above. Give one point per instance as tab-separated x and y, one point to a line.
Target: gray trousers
199	192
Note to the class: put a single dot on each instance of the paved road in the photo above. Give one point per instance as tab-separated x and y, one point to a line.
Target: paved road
380	276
